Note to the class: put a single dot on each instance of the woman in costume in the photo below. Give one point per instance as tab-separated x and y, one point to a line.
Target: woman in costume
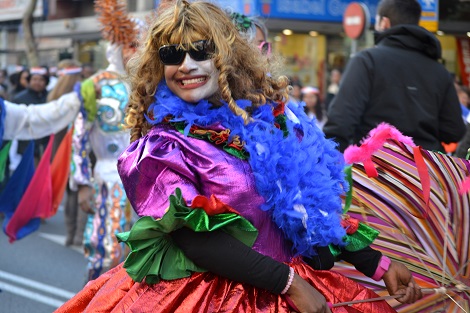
100	128
237	193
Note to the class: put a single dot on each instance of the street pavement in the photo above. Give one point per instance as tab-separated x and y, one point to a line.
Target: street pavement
38	273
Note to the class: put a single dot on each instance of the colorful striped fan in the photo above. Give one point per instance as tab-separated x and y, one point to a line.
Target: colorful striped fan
413	201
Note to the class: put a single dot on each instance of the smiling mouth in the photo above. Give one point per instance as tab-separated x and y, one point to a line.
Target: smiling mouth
191	81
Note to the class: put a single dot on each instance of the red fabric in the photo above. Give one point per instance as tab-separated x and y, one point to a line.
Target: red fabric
37	199
463	51
60	169
279	109
350	225
212	205
115	291
371	171
424	178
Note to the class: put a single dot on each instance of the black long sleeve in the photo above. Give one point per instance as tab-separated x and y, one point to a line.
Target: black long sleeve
365	260
324	260
226	256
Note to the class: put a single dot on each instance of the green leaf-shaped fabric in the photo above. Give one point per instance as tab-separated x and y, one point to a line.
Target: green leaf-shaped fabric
153	254
362	238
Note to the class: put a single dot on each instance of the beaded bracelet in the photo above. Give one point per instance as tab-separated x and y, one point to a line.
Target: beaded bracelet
289	280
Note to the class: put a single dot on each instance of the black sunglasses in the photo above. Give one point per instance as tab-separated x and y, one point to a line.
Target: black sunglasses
174	54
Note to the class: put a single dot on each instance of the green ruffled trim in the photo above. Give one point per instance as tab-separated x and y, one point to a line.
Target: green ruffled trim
362	238
282	121
89	99
153	254
348	200
365	235
241	154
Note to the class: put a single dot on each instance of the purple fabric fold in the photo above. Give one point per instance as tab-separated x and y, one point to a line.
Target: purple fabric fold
156	164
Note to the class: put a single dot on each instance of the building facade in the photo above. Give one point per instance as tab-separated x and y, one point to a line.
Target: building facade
313	45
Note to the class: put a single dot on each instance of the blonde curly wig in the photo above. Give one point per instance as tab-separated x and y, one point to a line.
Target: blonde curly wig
244	72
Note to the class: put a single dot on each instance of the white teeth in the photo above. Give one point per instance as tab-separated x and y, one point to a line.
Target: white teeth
193	81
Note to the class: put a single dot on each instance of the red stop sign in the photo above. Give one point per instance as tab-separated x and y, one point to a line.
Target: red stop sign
355	20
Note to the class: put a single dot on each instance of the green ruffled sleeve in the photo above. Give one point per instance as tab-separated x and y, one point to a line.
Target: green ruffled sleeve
154	256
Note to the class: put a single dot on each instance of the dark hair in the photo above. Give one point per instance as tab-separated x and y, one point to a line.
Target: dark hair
45	76
318	108
15	80
400	11
295	81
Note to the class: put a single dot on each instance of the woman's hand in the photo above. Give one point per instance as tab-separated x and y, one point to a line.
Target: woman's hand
399	281
306	298
85	199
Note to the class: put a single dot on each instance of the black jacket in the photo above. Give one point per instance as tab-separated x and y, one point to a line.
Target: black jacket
29	96
464	145
401	82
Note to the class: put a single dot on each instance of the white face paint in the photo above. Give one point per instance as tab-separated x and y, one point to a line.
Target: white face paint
192	80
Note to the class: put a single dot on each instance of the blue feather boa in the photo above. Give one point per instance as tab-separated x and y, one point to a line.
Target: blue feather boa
300	180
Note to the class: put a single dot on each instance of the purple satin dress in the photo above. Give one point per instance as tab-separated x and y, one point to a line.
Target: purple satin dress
152	168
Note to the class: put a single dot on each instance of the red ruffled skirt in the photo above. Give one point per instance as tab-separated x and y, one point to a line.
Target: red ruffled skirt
115	291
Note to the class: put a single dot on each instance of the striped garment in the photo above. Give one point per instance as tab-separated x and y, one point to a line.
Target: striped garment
426	230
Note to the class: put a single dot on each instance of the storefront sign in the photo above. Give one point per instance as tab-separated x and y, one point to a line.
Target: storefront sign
312	10
463	51
14	9
429	14
355	20
247	7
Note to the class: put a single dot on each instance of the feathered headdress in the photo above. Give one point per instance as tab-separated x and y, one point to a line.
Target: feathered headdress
116	26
